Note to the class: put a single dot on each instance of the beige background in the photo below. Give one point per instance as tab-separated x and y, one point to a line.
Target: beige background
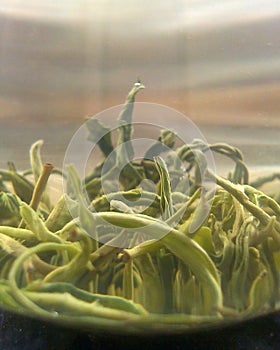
216	62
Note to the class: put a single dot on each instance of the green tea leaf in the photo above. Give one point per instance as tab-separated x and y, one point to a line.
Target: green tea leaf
165	189
99	134
125	152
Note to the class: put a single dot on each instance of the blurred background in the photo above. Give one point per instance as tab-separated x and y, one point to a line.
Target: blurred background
218	62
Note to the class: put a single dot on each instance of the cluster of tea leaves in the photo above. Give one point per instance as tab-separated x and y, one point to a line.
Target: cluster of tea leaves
173	253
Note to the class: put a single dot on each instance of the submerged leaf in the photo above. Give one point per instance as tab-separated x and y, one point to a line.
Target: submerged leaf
125	151
166	204
9	205
99	134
